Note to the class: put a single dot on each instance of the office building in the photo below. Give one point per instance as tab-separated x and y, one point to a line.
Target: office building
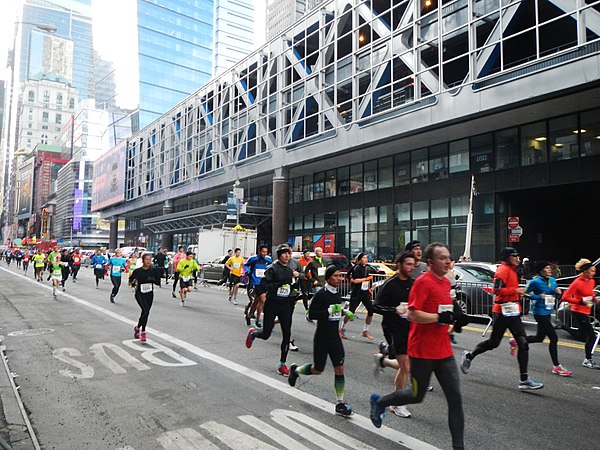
281	14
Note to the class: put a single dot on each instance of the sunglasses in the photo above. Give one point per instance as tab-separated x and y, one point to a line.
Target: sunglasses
516	255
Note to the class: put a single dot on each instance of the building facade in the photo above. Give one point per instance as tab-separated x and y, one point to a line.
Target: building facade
281	14
366	122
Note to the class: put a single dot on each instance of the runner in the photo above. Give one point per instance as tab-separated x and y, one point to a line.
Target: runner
64	264
98	262
55	275
26	258
143	280
39	262
430	309
392	303
75	263
178	257
277	284
420	266
326	309
116	265
255	267
225	275
315	270
360	278
18	257
195	274
186	268
235	265
581	296
161	262
542	291
506	313
52	257
305	283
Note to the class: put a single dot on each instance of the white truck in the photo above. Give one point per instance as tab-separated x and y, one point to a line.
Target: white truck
214	243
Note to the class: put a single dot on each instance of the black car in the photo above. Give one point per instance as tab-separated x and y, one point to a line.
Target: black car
474	288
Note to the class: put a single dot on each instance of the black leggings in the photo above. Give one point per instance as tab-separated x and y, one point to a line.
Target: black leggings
175	279
446	373
145	302
99	274
65	277
586	330
281	309
75	271
514	324
116	282
544	329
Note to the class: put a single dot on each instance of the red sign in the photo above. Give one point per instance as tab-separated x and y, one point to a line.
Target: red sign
513	222
514	238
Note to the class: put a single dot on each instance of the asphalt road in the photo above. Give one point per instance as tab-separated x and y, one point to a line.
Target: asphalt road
86	384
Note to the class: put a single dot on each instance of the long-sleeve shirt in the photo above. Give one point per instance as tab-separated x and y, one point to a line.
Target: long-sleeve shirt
327	323
506	283
256	266
580	288
389	296
538	289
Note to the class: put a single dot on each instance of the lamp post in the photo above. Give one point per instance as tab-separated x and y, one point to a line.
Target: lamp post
10	133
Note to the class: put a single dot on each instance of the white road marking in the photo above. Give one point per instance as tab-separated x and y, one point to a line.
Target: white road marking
235	439
99	352
64	355
282	439
151	348
357	420
185	439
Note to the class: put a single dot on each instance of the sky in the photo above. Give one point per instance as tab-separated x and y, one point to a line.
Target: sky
106	41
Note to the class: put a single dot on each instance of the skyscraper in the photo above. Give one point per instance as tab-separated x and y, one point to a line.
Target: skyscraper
283	13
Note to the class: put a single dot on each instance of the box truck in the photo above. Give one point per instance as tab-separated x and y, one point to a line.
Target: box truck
214	243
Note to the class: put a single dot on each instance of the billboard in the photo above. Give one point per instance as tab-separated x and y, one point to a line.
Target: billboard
109	178
25	199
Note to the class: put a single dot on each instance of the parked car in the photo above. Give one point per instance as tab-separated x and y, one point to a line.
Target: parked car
474	288
563	317
213	271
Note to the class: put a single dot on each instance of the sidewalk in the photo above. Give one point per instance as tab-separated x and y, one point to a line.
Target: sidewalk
13	427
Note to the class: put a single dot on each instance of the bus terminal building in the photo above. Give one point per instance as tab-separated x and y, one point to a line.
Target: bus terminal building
362	126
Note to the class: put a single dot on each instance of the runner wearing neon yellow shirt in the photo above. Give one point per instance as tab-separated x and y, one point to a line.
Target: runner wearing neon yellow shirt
235	264
186	268
39	262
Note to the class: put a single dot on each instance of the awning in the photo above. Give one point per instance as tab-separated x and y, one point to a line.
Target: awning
214	216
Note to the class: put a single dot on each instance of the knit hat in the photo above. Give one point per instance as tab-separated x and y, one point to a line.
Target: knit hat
412	245
540	265
330	271
283	248
506	252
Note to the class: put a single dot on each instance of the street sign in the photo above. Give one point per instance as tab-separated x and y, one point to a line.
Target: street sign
513	222
514	238
517	231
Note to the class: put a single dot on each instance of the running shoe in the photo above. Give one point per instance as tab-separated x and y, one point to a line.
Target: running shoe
453	339
560	370
293	377
143	337
343	409
366	335
343	333
182	302
283	370
401	411
234	301
513	346
377	367
247	308
64	289
112	298
377	413
54	296
247	319
383	348
258	324
590	364
307	318
429	388
136	333
293	346
530	384
249	338
173	294
465	363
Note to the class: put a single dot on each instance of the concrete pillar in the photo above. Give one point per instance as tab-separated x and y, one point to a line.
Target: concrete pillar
167	238
113	234
280	206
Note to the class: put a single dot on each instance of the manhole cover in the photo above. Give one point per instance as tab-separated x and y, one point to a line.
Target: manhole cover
32	332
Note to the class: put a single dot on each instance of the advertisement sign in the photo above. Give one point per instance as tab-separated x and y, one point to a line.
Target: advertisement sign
231	206
109	178
25	189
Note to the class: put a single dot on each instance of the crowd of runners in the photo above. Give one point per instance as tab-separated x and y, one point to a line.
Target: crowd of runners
419	312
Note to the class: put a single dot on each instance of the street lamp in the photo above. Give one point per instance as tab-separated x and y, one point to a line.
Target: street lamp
8	145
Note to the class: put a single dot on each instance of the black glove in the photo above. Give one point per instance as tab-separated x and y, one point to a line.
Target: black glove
446	317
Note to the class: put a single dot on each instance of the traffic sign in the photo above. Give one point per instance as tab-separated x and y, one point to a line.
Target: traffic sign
513	222
517	231
514	238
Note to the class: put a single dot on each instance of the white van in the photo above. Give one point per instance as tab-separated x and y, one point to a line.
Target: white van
127	251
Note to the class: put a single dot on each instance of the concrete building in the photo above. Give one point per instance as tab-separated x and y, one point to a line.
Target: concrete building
281	14
364	125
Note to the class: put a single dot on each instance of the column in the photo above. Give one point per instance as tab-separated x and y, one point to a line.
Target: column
280	206
167	238
113	233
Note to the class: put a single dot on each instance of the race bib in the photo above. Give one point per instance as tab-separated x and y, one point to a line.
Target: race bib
284	291
75	260
116	269
259	273
99	266
444	308
364	286
510	309
335	316
588	301
186	279
452	293
236	265
57	274
405	315
321	271
145	288
549	301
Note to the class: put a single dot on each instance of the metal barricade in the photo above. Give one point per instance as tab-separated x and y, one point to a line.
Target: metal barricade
476	299
346	287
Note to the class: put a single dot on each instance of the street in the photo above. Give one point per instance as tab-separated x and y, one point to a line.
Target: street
86	384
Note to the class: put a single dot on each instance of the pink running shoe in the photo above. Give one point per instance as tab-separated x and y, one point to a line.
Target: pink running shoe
560	370
136	333
283	370
513	346
249	338
143	337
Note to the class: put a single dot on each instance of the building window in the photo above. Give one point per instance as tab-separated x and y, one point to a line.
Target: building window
562	138
45	116
481	153
31	96
370	176
319	185
590	139
356	178
343	181
58	119
308	188
386	172
419	166
46	96
402	169
438	162
44	139
459	156
533	144
59	99
507	149
330	184
71	103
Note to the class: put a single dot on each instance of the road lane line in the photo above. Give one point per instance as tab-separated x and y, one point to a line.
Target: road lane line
363	422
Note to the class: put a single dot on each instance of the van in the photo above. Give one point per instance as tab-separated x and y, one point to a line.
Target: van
127	251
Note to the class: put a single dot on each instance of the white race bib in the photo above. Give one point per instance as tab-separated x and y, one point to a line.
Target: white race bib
405	304
588	301
259	273
335	316
510	309
116	269
364	286
186	279
145	288
284	291
452	293
444	308
549	301
236	265
99	266
57	274
321	271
